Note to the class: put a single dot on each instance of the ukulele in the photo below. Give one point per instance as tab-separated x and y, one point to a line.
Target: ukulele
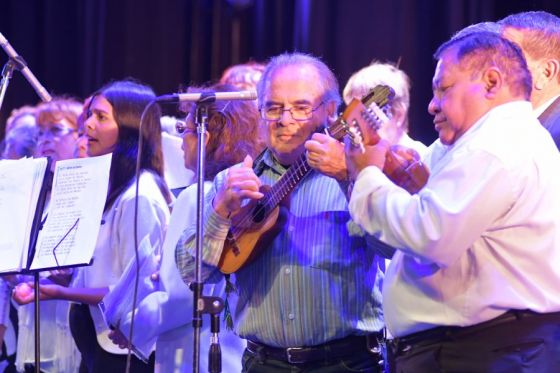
258	222
402	165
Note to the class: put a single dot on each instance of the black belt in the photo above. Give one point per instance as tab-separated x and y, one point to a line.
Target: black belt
441	333
325	352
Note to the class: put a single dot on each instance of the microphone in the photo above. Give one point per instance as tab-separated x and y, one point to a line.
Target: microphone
21	65
207	97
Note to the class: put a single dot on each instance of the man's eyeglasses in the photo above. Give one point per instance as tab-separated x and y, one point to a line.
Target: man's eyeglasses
55	131
298	112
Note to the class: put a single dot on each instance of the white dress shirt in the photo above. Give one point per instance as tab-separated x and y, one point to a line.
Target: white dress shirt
482	236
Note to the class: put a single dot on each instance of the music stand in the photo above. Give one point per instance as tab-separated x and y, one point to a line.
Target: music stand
73	209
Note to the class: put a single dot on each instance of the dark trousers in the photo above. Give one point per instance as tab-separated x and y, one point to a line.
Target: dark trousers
94	358
350	354
519	341
360	362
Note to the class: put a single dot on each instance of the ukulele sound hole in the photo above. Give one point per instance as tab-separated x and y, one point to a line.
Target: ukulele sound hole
259	213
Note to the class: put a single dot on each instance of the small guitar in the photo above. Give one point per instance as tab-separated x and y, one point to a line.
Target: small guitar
402	165
257	223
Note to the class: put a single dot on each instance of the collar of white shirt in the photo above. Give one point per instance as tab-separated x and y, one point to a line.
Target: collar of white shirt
538	111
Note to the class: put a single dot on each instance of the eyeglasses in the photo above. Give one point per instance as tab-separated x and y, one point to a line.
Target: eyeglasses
182	128
298	112
55	131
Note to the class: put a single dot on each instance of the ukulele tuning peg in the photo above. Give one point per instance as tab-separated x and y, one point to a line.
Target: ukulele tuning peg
373	114
387	110
369	117
356	138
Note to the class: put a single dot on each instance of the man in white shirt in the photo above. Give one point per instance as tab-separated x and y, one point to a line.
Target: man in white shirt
473	284
538	35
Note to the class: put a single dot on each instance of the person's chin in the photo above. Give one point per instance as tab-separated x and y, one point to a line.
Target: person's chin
445	139
93	151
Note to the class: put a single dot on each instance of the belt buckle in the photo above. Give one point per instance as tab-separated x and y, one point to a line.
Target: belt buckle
289	355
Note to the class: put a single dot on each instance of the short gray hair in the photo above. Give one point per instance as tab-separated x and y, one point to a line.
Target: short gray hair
541	33
364	80
328	80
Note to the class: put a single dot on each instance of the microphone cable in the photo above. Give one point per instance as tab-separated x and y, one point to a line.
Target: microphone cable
136	256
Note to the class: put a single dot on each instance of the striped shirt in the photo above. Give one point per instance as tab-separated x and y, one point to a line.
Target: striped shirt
5	295
313	283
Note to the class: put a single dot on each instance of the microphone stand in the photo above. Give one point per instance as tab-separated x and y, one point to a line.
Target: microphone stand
21	65
202	304
15	61
7	73
215	352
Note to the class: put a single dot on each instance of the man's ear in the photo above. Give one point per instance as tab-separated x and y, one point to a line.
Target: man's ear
207	138
493	82
547	71
331	110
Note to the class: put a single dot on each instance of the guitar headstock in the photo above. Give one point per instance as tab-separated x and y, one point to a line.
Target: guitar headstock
362	118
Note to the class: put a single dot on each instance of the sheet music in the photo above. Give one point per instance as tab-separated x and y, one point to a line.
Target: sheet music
20	184
76	207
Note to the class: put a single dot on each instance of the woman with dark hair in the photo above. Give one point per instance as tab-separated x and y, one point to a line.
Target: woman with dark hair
163	317
113	126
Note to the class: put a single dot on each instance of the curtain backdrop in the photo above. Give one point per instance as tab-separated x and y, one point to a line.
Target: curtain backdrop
75	46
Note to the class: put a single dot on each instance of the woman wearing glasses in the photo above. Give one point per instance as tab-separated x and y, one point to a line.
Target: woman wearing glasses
56	123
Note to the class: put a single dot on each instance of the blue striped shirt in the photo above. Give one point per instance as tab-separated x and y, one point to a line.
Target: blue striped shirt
313	283
5	296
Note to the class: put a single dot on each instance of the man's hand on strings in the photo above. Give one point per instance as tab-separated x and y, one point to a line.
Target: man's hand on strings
357	160
241	183
326	155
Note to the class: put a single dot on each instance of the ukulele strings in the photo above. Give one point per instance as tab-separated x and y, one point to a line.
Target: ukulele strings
276	194
290	179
